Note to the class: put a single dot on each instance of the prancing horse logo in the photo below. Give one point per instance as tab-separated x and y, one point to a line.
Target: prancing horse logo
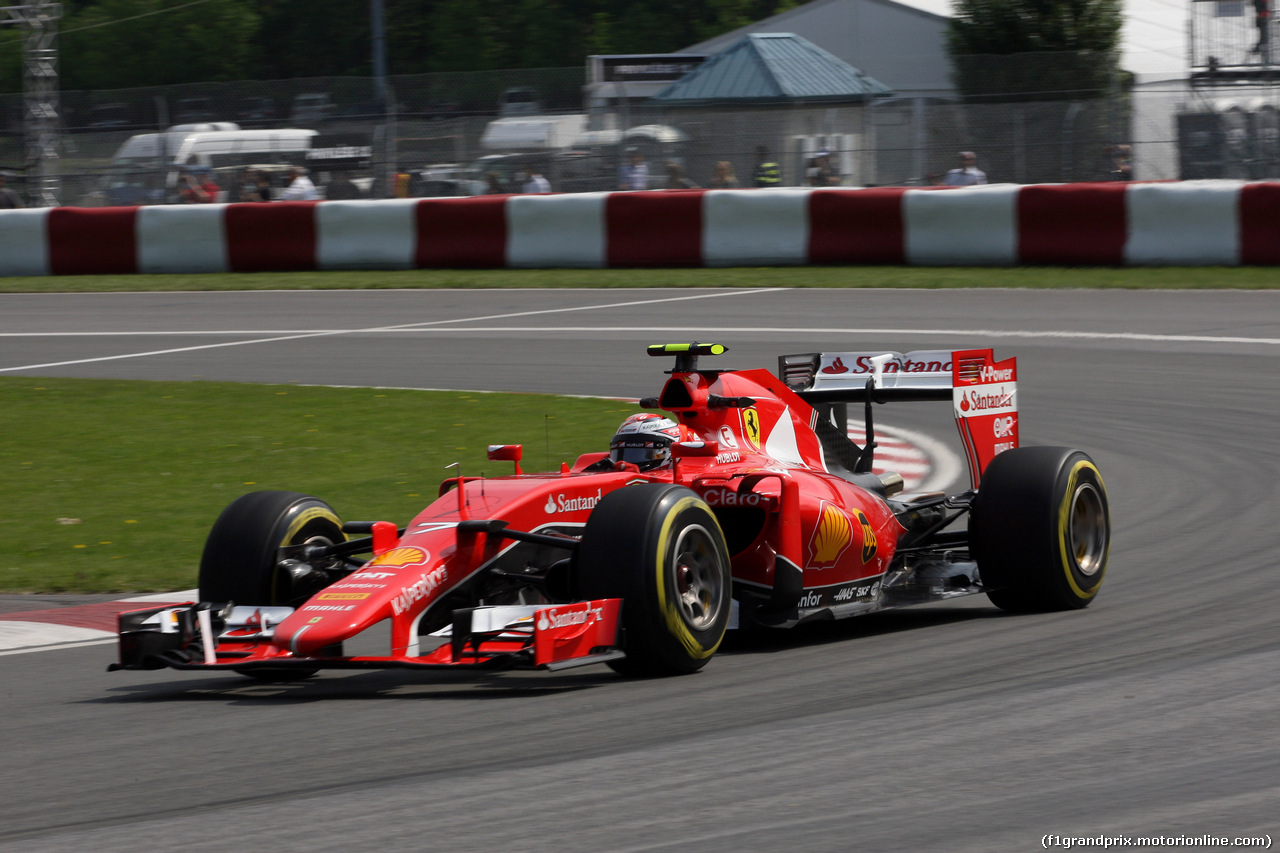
751	428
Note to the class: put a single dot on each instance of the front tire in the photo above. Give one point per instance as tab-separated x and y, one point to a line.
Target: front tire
241	560
660	549
1040	529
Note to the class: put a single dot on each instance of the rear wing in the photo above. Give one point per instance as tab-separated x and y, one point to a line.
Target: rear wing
982	391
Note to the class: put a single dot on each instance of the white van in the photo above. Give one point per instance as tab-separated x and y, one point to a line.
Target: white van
146	168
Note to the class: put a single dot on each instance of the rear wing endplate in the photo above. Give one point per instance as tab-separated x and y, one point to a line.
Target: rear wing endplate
983	392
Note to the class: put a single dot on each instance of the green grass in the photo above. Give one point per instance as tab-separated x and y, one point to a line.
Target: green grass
1182	278
112	486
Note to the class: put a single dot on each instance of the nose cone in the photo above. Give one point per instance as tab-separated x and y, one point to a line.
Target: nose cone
320	624
396	583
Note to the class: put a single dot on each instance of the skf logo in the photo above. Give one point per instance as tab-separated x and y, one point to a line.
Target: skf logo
831	536
868	537
751	428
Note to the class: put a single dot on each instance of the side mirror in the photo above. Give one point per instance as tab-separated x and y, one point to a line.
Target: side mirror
685	449
507	453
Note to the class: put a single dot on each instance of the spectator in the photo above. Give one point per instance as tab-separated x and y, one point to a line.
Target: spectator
9	199
300	187
1121	163
635	176
676	178
723	178
968	174
534	182
263	185
341	187
242	188
821	173
494	184
767	173
200	190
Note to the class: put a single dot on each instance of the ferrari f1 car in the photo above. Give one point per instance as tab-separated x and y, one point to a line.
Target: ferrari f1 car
766	514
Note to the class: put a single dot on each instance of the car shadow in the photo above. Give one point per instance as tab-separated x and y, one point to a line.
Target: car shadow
758	640
469	685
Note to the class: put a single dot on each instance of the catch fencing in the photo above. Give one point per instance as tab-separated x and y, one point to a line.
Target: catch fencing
438	139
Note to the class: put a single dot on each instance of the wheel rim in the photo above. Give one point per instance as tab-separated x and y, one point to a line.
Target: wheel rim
1088	529
699	578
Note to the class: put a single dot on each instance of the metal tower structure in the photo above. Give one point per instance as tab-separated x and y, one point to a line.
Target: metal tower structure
1233	42
40	95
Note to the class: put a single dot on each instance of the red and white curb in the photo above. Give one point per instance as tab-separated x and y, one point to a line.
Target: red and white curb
925	464
77	625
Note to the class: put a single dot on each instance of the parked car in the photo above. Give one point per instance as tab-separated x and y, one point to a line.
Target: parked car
311	108
194	110
109	116
256	111
520	101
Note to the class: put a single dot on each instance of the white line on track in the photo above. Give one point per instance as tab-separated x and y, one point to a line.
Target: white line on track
410	328
403	327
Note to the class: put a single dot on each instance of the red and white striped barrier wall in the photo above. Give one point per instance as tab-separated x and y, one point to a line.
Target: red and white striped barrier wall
1115	224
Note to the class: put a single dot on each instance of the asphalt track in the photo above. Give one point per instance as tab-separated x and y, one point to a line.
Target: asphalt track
951	727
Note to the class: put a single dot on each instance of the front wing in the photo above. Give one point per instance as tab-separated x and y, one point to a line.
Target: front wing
240	638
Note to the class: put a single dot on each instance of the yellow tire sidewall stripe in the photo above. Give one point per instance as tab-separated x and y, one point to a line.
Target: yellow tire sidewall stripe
296	526
1066	558
670	612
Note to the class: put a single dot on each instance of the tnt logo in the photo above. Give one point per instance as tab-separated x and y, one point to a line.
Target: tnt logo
868	537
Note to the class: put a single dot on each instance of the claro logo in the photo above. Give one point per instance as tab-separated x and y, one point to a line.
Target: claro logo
729	497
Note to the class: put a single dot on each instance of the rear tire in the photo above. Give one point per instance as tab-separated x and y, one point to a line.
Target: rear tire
1040	529
660	549
241	560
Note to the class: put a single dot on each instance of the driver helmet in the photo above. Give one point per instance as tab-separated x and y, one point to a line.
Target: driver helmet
645	440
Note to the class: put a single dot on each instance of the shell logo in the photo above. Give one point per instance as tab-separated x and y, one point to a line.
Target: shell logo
831	536
400	558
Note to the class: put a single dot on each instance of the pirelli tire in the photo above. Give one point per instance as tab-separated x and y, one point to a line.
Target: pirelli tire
1040	529
660	549
241	559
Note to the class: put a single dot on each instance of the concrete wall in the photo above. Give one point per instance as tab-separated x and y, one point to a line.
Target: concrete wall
1187	223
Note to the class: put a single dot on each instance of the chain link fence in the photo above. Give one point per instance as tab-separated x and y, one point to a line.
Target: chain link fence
463	134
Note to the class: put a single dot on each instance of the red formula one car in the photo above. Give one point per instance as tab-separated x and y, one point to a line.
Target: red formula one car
748	505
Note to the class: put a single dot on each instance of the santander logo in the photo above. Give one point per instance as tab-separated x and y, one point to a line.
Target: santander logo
836	366
550	617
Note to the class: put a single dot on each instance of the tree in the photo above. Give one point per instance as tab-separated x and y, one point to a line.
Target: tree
100	49
1030	48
